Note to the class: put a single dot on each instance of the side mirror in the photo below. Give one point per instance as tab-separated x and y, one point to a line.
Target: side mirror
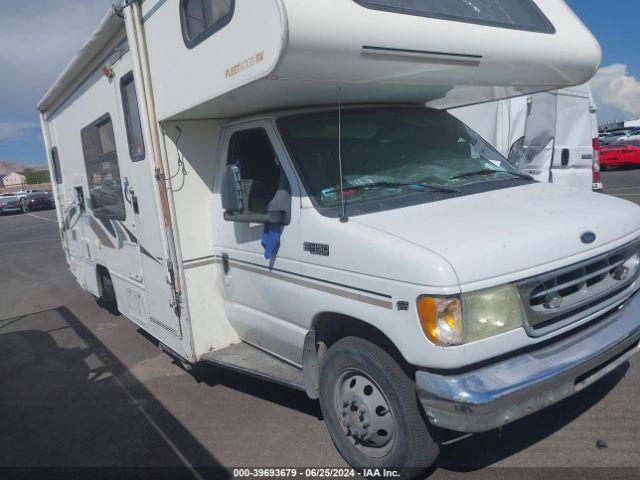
80	201
516	153
232	194
278	210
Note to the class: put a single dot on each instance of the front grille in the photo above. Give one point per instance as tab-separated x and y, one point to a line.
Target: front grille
564	296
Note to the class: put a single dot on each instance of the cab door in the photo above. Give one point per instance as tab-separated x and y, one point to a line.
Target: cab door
261	293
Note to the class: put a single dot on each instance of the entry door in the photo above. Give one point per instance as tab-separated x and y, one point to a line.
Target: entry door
261	294
141	197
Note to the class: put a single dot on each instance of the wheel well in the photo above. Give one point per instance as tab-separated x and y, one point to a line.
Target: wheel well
330	327
101	271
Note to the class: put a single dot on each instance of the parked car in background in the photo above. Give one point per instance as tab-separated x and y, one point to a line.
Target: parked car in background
9	204
633	136
36	201
620	154
23	194
615	136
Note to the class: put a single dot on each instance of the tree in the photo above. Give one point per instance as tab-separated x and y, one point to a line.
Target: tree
34	176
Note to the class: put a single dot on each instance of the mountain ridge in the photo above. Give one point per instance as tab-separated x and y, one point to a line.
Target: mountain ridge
8	167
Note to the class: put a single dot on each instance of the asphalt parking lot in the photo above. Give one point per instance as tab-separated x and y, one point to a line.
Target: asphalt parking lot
80	387
623	183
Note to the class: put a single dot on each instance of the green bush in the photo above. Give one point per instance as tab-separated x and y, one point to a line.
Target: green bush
34	177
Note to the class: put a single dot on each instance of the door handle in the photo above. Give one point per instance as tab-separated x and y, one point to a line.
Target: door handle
225	264
134	203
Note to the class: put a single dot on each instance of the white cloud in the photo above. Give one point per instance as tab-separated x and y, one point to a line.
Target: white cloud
616	92
10	131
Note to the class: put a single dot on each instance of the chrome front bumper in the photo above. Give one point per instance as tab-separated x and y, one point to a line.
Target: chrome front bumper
493	396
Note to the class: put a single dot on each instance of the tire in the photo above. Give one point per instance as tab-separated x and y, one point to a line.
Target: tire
356	379
108	299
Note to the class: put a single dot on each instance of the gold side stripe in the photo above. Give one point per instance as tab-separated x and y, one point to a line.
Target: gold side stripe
323	288
201	263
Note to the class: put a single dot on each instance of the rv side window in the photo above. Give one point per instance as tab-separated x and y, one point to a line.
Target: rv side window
55	160
202	18
260	170
103	173
132	121
515	14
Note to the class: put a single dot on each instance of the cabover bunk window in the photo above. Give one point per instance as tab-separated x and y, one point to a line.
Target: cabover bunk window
515	14
103	173
202	18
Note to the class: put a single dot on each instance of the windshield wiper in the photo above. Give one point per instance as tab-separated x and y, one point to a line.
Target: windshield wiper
488	171
429	186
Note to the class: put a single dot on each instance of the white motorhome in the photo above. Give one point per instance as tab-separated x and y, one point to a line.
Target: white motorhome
259	186
553	136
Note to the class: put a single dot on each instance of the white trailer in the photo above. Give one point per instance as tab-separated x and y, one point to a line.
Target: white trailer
552	136
258	185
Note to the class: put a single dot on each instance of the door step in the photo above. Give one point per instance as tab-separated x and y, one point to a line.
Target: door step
247	359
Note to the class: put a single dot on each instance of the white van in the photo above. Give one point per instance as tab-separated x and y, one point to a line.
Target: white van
553	136
259	186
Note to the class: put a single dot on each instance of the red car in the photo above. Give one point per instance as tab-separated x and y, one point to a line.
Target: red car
619	154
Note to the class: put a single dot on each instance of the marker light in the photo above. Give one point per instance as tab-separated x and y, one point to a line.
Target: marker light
441	320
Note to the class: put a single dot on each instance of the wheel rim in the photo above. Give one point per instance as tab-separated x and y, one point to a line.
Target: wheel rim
364	413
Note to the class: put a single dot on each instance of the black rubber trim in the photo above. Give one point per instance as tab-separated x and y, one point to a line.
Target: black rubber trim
422	52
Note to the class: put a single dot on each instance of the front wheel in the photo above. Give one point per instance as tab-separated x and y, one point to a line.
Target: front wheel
108	297
371	410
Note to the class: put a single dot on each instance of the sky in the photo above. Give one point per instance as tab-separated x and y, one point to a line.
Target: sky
39	37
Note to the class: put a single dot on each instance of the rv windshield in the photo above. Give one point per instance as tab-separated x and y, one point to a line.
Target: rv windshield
391	157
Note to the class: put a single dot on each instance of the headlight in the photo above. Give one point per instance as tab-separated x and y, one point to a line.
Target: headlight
473	316
491	312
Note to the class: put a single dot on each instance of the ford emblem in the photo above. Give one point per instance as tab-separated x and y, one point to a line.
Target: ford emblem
588	237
